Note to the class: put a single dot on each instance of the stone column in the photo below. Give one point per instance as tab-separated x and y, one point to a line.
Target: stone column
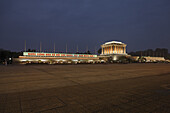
118	49
102	50
112	49
107	50
115	49
125	49
122	49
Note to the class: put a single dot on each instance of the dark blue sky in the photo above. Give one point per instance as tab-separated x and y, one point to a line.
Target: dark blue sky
141	24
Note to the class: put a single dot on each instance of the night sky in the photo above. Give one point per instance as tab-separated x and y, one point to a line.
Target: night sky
141	24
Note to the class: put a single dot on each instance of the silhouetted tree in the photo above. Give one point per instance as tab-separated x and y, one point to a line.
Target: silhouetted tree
99	51
29	50
4	54
88	52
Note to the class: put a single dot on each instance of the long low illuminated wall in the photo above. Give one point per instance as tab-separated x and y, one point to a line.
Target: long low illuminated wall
40	54
40	57
78	58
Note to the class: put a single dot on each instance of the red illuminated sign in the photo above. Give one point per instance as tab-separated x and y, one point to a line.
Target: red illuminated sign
70	55
57	54
48	54
40	54
62	54
81	55
86	55
32	54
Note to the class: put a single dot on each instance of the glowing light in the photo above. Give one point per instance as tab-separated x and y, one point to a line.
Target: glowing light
37	54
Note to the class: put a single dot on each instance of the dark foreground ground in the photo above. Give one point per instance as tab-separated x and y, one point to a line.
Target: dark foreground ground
113	88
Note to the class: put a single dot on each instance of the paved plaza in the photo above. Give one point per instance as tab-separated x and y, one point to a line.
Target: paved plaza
85	88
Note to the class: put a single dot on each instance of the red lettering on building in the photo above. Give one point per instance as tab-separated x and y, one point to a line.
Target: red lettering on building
40	54
57	55
86	55
48	54
34	54
62	54
69	55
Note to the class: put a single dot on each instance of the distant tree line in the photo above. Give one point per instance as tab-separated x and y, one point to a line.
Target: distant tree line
31	50
6	55
158	52
87	52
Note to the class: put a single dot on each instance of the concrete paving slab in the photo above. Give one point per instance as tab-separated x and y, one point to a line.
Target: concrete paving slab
113	88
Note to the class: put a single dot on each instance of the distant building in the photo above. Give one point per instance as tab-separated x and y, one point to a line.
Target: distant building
111	51
149	59
154	59
113	47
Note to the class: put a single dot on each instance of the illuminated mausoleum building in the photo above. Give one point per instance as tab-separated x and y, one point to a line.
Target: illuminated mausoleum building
111	51
113	47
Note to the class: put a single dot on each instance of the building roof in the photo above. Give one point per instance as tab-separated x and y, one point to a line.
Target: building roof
113	42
